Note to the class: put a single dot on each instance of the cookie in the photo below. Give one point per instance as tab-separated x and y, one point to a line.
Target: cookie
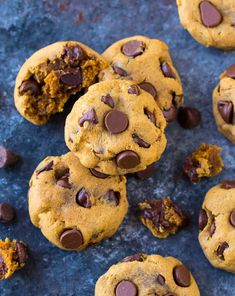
116	128
210	22
224	104
217	226
51	75
13	256
75	207
147	62
144	275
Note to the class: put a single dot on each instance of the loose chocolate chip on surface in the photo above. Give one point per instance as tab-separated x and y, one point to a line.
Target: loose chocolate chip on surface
147	173
108	100
64	182
136	257
134	90
189	117
133	48
30	86
98	174
116	122
7	157
47	167
71	239
182	276
167	71
150	116
73	54
119	71
112	196
140	141
232	218
7	213
161	280
83	198
210	15
170	114
203	219
127	159
221	248
228	184
90	116
71	77
22	252
3	267
231	71
226	110
126	288
148	87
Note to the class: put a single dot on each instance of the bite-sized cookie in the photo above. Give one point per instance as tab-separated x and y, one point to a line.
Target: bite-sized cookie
13	256
147	62
206	161
210	22
224	104
162	216
73	206
142	275
116	128
51	75
217	226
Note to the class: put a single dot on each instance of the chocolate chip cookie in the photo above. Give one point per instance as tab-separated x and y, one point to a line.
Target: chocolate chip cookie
147	62
116	128
224	104
73	206
217	226
142	275
51	75
210	22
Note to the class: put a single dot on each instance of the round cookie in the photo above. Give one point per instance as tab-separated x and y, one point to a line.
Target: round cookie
147	62
210	22
142	275
116	128
73	206
217	226
224	104
51	75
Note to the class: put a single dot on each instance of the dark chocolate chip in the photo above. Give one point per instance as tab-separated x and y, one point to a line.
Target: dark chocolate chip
83	198
232	218
134	90
47	167
226	110
220	250
133	48
127	159
147	173
140	141
64	182
148	87
7	213
161	280
212	227
182	276
126	288
31	86
112	196
73	54
90	116
116	122
3	267
150	116
98	174
170	294
189	117
7	157
71	239
230	72
203	219
190	169
108	100
167	71
71	77
228	184
22	252
137	257
119	71
210	15
170	114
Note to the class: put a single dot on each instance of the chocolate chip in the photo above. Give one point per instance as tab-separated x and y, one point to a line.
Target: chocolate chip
167	71
150	116
64	182
7	157
210	15
182	276
230	72
226	111
71	239
228	184
134	90
73	54
140	141
170	294
147	173
116	122
190	169
221	248
136	257
232	218
112	196
127	159
47	167
22	252
83	198
170	114
90	116
3	267
212	227
31	86
189	117
126	288
161	280
108	100
148	87
119	71
98	174
71	77
133	48
7	213
203	219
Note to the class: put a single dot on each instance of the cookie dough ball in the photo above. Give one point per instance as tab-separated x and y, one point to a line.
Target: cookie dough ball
147	62
73	206
217	226
142	275
224	104
116	128
51	75
210	22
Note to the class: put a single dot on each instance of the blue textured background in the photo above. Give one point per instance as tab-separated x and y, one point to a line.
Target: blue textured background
28	25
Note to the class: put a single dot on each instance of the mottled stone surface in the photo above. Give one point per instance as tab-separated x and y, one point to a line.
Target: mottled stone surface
30	24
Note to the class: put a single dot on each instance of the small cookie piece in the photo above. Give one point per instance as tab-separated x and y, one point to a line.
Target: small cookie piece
115	131
7	157
147	62
51	75
73	206
162	216
142	275
13	256
210	22
206	161
217	226
224	103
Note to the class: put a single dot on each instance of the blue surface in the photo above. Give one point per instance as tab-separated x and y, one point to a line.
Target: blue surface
28	25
